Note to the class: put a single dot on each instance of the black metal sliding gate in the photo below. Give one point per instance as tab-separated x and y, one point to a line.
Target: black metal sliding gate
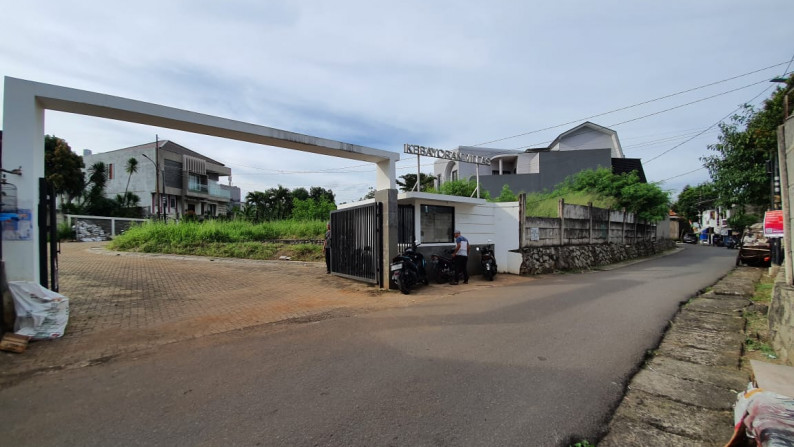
405	227
356	243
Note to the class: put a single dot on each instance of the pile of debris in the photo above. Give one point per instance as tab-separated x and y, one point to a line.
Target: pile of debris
86	232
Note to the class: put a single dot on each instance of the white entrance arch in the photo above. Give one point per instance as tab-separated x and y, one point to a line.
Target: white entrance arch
24	104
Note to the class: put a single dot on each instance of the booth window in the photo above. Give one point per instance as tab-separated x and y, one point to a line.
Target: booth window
438	223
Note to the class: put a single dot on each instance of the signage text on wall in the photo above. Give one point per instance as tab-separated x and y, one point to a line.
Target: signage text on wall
446	154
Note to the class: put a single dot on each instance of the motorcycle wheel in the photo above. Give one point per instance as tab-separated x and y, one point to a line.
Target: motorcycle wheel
440	277
488	275
404	287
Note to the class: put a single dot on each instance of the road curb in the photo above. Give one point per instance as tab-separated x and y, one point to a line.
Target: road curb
684	394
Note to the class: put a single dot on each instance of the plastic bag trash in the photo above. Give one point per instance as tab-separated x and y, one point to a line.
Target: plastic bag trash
762	418
41	313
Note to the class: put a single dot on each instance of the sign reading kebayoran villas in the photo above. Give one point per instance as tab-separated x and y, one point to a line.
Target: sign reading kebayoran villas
449	155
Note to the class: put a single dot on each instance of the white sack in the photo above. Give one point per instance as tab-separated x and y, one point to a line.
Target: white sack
41	313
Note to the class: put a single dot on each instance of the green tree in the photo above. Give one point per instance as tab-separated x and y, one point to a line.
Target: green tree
369	195
94	201
506	195
63	168
692	200
409	181
128	205
300	193
257	200
646	200
245	212
739	169
316	193
280	203
311	209
130	168
462	188
746	143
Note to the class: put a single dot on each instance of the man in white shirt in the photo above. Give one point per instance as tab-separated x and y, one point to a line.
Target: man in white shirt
461	258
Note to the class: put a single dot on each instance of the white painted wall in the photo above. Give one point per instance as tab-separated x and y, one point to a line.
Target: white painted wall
142	183
506	230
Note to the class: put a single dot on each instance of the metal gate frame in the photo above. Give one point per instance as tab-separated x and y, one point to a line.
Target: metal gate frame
48	236
406	233
357	243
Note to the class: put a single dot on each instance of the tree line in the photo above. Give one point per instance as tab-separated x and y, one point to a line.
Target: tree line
281	203
63	169
742	165
81	194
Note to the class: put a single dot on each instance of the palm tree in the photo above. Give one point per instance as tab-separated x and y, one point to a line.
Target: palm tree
409	181
282	198
258	200
130	168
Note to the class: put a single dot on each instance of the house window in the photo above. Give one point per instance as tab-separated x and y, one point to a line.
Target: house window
110	171
438	223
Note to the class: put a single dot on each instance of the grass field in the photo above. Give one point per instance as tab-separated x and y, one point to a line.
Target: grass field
234	239
546	205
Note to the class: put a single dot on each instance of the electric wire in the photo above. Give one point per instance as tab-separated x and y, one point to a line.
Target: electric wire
681	175
704	131
632	106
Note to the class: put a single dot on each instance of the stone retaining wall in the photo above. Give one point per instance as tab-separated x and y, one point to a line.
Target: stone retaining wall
781	319
538	260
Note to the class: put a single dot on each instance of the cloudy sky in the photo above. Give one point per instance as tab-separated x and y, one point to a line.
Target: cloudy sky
505	74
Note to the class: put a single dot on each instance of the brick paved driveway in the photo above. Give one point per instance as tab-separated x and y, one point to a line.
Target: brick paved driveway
123	302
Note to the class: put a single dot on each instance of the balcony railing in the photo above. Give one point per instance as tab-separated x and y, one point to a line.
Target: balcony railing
212	188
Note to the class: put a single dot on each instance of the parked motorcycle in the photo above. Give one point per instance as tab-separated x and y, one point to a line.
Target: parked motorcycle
488	261
408	269
444	267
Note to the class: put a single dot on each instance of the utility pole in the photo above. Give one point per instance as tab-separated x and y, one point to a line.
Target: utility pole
156	163
157	175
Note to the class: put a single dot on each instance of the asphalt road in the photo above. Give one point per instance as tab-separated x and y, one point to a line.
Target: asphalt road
541	364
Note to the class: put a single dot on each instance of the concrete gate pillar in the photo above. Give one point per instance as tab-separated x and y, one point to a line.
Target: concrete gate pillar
386	183
23	147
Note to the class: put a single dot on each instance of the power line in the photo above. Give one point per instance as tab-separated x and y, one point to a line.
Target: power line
645	145
665	110
704	131
681	175
631	106
789	65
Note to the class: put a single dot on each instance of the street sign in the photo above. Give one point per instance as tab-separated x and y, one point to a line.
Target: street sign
773	223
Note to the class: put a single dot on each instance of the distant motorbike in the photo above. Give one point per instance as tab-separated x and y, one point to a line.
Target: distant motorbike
731	242
488	261
408	269
444	267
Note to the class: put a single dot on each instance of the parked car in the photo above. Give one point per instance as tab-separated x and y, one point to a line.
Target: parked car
754	248
689	238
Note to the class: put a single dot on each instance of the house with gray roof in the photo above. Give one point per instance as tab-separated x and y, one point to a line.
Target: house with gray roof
586	146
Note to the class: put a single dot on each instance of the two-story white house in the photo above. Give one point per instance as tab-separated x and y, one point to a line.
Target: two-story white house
586	146
185	181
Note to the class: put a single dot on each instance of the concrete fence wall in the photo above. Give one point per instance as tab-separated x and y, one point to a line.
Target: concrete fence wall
585	236
579	225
